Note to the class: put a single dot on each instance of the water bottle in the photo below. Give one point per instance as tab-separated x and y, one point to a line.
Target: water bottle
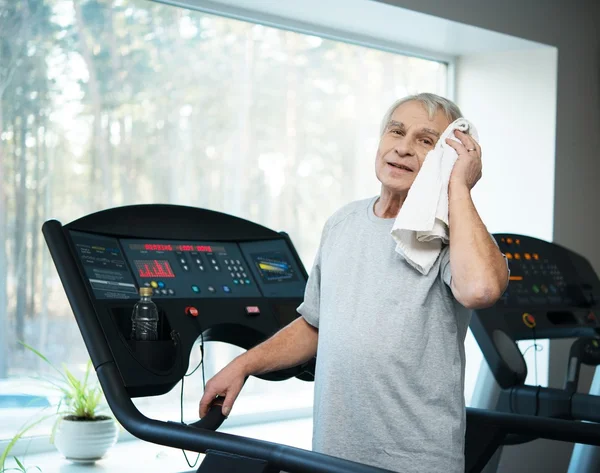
144	320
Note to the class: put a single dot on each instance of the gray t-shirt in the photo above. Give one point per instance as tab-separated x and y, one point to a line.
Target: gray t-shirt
390	363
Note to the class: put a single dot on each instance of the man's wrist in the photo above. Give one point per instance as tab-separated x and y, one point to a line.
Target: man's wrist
458	190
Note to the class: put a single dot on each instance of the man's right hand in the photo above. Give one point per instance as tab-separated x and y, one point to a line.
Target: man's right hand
226	383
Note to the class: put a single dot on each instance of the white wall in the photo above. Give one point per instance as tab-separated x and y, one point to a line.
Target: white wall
511	99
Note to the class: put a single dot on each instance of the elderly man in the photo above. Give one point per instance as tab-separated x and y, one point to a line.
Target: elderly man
389	341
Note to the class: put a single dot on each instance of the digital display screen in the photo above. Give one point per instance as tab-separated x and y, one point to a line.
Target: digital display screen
273	267
155	247
168	247
154	269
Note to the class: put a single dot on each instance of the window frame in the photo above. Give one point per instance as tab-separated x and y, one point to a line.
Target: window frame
41	444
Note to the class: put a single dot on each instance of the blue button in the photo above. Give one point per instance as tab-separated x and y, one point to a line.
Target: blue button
247	281
235	281
161	284
196	289
226	289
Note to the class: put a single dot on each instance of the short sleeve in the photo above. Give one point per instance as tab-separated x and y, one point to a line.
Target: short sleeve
445	269
309	309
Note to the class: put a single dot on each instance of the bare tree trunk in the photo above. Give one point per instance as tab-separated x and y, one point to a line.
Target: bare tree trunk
35	222
99	152
3	272
45	271
21	234
289	195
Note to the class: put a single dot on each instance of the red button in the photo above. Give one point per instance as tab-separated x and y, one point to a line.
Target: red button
191	311
252	310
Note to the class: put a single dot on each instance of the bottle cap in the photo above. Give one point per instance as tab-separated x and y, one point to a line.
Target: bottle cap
145	291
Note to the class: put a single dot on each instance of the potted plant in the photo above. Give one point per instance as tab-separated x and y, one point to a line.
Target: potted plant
80	433
20	467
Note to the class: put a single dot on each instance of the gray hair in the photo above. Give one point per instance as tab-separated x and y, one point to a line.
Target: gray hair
432	103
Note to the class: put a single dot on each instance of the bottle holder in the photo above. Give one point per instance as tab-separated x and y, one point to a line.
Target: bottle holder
159	355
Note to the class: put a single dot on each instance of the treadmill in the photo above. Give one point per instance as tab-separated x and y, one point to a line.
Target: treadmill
222	278
553	293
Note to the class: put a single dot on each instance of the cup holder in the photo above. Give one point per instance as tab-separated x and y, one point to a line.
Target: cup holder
158	355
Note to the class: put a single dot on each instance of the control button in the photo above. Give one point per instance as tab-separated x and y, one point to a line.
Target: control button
185	268
517	241
198	261
211	289
252	310
182	260
529	320
196	289
226	261
161	284
509	241
147	284
157	292
536	256
244	275
535	289
232	275
517	256
213	261
235	268
163	291
191	311
226	289
201	268
527	256
544	289
241	281
247	281
238	261
508	255
238	275
217	268
154	284
241	268
235	281
228	268
171	292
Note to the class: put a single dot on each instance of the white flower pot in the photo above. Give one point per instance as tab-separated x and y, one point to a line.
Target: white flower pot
85	441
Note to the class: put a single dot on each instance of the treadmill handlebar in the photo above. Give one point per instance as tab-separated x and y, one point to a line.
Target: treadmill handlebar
213	418
198	437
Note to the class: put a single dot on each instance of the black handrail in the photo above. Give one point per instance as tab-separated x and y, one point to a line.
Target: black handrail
172	434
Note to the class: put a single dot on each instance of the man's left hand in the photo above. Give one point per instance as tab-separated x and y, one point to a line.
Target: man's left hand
467	169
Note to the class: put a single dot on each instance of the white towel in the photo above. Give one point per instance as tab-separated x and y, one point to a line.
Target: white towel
422	223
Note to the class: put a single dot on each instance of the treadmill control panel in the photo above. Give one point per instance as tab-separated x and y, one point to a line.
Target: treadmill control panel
544	275
117	268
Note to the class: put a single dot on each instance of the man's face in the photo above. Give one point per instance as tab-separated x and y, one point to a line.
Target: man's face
407	139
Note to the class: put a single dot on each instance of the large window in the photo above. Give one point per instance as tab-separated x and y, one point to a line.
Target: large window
113	102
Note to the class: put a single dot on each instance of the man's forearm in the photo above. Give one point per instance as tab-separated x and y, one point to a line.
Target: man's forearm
291	346
479	273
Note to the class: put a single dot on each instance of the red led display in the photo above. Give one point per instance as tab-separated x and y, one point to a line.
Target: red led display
154	247
154	269
204	248
184	247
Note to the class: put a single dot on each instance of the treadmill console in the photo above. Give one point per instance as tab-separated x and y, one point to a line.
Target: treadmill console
117	268
552	293
213	276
